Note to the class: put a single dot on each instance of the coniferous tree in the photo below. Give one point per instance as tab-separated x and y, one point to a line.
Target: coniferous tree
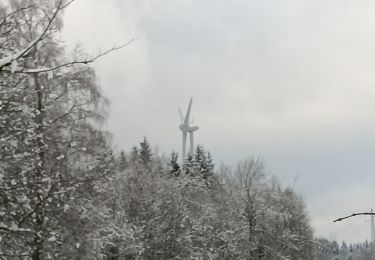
145	153
188	165
134	154
123	161
174	166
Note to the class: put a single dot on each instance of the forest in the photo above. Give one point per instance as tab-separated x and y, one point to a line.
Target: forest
65	193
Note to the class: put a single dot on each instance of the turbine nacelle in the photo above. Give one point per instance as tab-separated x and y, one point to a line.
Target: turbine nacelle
188	128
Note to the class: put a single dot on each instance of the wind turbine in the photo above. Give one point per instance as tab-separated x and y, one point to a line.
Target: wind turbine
186	127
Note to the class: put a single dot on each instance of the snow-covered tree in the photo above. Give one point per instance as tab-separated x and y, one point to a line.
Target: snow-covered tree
273	222
51	149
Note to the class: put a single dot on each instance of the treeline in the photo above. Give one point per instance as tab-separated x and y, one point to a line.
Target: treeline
64	194
328	250
192	212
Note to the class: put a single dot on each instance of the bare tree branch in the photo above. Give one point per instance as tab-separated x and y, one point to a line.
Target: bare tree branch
71	63
355	214
12	13
67	4
8	60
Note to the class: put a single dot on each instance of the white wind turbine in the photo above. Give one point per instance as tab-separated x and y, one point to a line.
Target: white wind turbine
186	127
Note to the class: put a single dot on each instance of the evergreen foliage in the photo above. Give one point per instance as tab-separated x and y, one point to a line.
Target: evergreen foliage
123	161
174	166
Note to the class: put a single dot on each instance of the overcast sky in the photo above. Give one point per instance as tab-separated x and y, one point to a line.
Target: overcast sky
291	81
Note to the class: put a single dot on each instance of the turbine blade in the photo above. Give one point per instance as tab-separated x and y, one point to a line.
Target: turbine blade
186	122
181	115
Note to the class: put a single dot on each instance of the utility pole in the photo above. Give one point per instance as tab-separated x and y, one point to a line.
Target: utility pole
372	241
372	228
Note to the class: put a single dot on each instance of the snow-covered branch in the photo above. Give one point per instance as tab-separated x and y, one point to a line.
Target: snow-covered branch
13	13
6	228
71	63
8	60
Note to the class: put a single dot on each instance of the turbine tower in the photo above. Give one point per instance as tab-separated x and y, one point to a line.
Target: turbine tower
186	127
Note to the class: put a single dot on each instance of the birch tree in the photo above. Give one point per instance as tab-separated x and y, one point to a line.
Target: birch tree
51	143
